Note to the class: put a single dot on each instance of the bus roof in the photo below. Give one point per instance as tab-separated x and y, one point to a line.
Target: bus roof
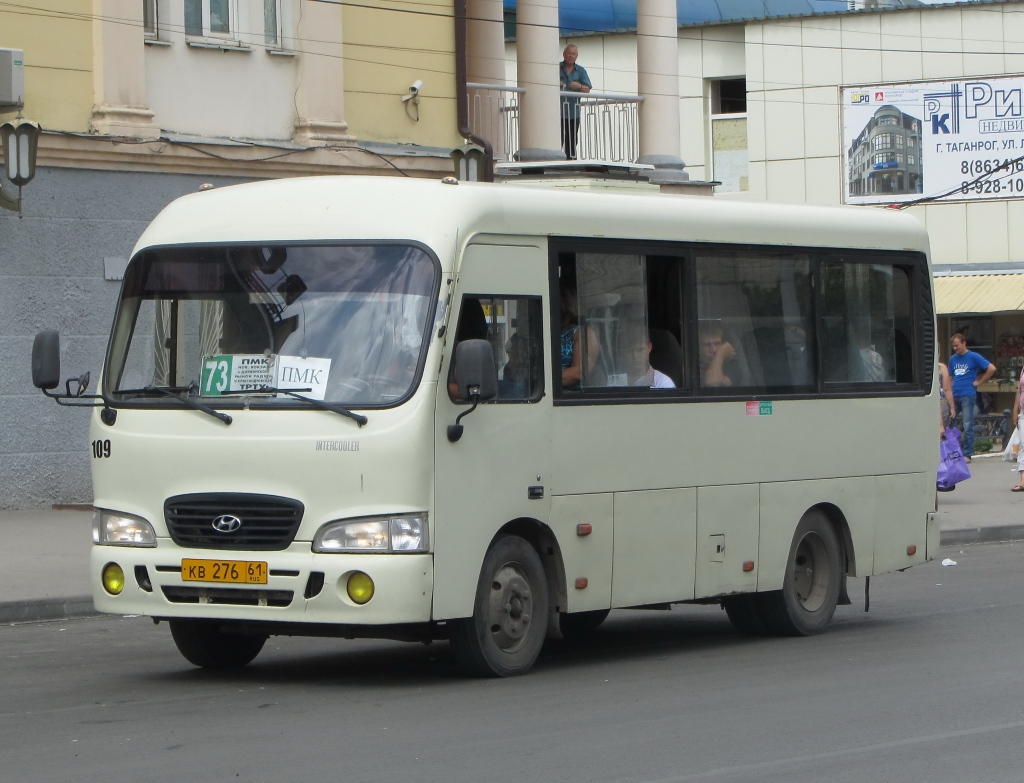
438	214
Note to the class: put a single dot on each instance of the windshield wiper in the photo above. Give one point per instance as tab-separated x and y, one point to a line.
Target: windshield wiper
358	418
190	402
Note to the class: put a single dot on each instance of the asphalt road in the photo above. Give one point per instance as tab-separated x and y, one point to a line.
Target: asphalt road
927	686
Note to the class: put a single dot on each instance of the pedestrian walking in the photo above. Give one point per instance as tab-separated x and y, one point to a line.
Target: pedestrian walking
964	366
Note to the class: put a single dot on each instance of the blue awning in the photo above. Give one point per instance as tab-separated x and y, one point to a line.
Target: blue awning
591	16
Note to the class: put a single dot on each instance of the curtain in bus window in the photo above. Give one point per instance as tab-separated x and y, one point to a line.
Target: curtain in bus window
754	325
866	311
612	322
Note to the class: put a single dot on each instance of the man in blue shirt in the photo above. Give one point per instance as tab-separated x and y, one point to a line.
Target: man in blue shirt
964	366
572	78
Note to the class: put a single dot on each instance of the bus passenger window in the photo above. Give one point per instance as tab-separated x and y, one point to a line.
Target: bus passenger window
754	321
514	328
867	319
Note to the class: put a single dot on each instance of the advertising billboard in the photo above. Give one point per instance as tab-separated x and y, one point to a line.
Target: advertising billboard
954	140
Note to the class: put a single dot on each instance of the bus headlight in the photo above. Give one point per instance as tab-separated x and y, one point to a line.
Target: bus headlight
404	533
115	528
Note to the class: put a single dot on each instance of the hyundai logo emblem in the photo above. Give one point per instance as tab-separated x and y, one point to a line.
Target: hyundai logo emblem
226	523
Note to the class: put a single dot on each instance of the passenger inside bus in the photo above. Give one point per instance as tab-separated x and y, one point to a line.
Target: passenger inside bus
574	349
715	354
633	355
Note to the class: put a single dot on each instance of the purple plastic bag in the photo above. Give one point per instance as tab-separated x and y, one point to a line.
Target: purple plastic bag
952	467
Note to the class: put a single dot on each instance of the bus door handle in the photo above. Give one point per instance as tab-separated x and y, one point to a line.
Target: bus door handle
535	493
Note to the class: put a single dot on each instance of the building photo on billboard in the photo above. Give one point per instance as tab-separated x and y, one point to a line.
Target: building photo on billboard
953	140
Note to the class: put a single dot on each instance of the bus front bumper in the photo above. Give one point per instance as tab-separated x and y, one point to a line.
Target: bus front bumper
301	586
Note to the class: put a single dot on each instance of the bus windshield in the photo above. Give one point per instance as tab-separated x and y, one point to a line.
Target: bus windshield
347	324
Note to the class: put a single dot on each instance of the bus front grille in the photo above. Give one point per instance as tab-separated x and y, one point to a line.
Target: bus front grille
232	521
234	596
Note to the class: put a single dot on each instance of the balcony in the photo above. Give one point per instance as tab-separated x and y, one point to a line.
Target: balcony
609	125
608	131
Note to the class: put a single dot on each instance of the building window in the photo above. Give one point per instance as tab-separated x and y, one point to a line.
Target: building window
151	18
271	23
730	159
209	17
729	96
910	159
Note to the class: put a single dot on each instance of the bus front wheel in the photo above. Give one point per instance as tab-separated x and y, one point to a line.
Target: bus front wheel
810	590
205	644
510	614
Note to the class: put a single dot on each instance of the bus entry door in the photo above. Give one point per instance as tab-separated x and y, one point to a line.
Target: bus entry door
499	470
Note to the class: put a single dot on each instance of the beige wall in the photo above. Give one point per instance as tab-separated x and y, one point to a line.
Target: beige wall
795	69
57	42
388	47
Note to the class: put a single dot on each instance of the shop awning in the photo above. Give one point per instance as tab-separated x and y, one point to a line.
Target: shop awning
975	293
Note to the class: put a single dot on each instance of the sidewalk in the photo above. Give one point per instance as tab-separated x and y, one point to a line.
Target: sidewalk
44	565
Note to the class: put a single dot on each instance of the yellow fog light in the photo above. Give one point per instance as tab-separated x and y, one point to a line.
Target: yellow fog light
113	578
360	588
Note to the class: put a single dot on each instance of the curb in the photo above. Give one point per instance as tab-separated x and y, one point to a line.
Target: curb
38	609
981	535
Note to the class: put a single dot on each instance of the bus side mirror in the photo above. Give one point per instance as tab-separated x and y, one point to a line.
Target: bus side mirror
46	360
475	371
476	376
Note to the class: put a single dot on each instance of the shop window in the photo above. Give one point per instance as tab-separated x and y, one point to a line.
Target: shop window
514	328
754	326
868	336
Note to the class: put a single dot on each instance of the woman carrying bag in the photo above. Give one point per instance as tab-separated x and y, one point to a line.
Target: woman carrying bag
1018	418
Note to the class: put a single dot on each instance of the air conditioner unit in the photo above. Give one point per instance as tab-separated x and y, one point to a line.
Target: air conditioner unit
12	78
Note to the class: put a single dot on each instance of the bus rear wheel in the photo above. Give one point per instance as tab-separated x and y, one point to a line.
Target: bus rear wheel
510	614
810	590
204	643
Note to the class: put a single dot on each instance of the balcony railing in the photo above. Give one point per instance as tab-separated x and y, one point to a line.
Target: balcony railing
609	129
609	125
494	115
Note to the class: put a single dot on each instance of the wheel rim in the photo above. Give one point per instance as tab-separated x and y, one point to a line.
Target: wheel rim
510	608
811	572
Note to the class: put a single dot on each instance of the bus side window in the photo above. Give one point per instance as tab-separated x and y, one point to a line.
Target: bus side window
754	321
514	328
867	316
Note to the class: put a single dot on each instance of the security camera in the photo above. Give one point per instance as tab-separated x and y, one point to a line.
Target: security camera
415	87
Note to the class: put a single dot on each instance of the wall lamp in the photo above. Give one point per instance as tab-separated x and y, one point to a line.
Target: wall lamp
19	139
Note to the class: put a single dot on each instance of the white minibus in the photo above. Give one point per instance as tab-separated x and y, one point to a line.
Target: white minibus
490	413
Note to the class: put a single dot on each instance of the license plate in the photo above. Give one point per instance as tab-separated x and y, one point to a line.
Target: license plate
243	572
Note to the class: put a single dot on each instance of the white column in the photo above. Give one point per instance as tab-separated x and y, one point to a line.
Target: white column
485	64
538	54
320	94
119	71
657	62
485	41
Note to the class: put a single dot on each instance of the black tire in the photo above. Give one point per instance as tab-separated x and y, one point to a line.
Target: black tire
205	644
745	615
805	604
580	624
510	613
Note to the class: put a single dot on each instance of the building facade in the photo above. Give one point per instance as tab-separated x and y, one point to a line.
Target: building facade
142	101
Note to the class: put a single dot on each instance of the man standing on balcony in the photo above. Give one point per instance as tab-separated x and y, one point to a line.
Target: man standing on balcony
573	78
